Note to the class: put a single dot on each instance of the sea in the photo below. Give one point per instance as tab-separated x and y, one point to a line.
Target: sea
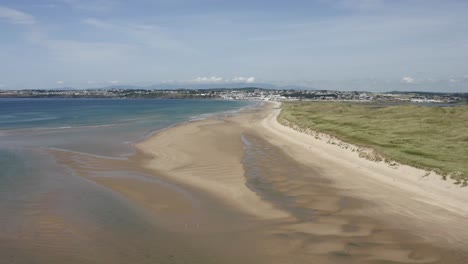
43	201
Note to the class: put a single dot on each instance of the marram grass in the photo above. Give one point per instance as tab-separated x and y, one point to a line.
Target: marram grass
433	138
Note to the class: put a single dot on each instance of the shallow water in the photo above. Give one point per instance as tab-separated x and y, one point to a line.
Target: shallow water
51	213
97	126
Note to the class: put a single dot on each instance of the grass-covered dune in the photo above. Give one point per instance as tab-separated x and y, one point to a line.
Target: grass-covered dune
434	138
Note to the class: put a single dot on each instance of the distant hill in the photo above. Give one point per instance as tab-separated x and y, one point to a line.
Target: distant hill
194	86
200	86
123	87
62	88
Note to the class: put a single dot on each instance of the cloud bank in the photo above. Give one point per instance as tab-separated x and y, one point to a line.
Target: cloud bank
16	17
408	80
216	79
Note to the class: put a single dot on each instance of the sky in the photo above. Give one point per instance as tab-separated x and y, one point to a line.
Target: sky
373	45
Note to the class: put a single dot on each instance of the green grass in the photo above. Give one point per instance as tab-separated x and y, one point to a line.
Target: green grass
434	138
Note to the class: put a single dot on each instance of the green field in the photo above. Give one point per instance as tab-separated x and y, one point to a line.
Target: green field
434	138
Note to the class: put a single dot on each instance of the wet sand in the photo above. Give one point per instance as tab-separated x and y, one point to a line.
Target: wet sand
246	163
418	202
237	189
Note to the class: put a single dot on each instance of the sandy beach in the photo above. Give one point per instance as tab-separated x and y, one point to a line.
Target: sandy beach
426	201
235	188
309	200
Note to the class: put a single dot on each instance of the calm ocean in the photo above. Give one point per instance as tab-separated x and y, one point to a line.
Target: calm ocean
97	126
42	200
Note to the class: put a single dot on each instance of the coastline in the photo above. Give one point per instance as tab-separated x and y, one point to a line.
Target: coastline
208	155
203	165
399	190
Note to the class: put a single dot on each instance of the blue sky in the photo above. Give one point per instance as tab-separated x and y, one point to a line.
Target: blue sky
375	45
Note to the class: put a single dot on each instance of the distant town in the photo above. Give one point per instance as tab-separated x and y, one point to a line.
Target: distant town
248	93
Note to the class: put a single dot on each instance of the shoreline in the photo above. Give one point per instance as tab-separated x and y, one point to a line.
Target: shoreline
192	119
404	191
208	156
180	162
404	176
335	145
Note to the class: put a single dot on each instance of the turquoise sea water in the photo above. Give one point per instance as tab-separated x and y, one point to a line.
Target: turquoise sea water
36	190
98	126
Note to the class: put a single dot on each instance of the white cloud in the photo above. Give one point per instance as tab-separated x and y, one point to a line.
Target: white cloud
114	82
98	6
97	23
243	79
16	17
212	79
355	4
408	80
78	51
150	35
60	82
123	27
454	80
216	79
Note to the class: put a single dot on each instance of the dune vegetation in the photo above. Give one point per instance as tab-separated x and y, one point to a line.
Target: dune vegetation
429	137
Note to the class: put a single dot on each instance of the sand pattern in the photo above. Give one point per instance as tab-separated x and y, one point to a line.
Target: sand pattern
244	162
240	189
